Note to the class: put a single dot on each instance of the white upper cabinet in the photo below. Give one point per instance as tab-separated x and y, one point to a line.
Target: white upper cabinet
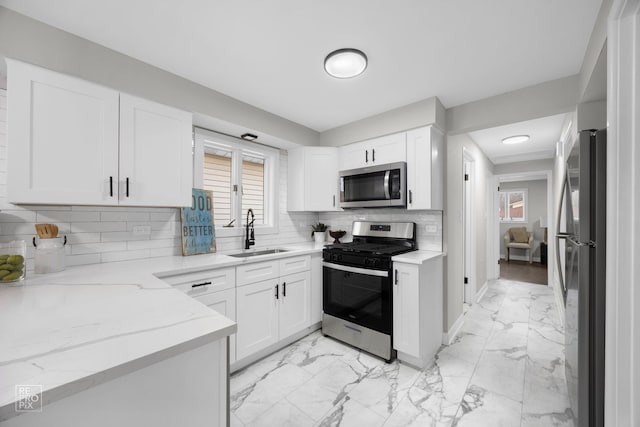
313	179
425	169
155	154
377	151
63	138
77	143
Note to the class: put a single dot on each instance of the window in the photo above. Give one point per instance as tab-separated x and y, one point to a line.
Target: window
241	175
513	206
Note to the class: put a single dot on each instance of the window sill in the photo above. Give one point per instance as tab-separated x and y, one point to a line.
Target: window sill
514	221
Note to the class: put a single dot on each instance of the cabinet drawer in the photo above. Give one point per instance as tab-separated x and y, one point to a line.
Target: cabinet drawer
295	264
257	272
194	284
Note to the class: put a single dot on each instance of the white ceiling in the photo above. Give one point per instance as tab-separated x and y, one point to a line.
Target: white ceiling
270	53
544	133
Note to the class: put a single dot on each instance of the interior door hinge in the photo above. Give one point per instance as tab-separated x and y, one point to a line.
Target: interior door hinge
466	177
466	280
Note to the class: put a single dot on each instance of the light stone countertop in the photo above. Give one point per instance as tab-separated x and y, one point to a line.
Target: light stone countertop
86	325
417	257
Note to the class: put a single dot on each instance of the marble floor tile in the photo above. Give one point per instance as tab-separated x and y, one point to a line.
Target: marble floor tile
282	414
505	368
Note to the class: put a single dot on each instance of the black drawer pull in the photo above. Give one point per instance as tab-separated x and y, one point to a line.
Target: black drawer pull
277	292
110	186
127	185
284	289
196	285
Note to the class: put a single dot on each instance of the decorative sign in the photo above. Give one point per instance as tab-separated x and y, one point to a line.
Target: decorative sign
198	232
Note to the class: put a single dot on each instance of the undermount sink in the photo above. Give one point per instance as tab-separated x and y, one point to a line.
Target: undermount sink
258	253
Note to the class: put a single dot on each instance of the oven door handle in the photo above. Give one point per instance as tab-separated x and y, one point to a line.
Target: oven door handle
348	269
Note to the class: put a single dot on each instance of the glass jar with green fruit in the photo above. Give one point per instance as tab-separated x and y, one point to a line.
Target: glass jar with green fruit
12	261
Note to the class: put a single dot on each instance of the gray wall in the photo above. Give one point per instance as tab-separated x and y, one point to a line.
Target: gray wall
454	238
32	41
536	208
421	113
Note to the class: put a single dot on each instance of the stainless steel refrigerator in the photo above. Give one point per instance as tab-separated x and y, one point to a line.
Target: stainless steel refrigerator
584	276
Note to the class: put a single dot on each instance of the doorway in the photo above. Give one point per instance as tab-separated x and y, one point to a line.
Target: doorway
523	221
468	232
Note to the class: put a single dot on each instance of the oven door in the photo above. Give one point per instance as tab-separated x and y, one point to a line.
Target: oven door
359	295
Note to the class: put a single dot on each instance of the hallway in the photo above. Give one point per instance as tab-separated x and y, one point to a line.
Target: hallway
506	367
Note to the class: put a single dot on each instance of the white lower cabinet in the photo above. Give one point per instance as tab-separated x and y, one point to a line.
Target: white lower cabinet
417	310
270	311
214	288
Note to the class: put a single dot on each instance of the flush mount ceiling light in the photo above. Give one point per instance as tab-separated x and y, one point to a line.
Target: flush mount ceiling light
516	139
249	137
345	63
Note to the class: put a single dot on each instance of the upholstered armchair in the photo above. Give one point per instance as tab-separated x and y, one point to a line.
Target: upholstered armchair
519	238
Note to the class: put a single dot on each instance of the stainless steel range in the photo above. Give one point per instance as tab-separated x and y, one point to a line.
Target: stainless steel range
357	285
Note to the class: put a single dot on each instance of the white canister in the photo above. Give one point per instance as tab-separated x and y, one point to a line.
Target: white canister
49	256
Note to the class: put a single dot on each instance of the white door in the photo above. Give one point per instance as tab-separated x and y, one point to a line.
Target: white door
406	309
388	149
321	179
257	314
156	165
224	302
294	303
63	138
468	275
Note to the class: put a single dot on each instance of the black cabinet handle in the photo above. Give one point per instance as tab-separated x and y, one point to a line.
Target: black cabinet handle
334	200
110	186
410	197
366	156
396	277
196	285
373	154
284	289
277	292
127	185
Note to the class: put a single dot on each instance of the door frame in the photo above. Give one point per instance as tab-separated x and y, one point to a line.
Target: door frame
551	230
468	229
622	347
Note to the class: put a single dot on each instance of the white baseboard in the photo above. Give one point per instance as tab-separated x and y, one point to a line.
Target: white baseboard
482	291
449	336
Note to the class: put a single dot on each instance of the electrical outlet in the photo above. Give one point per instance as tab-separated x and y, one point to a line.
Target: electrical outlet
141	230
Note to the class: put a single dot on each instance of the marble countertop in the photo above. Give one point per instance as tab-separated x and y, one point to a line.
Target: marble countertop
417	257
75	329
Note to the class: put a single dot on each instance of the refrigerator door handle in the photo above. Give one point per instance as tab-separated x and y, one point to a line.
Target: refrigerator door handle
561	235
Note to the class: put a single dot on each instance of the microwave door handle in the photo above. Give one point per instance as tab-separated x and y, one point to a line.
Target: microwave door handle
387	192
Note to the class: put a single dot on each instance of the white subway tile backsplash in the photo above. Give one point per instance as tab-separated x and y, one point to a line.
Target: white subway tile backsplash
67	216
149	244
72	260
101	247
124	255
124	216
85	227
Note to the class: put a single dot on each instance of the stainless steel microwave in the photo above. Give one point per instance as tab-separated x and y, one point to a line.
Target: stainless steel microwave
374	186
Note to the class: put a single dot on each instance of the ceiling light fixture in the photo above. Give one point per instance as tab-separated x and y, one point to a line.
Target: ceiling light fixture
516	139
345	63
249	137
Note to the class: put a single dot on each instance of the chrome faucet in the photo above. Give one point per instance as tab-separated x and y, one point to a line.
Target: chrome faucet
250	238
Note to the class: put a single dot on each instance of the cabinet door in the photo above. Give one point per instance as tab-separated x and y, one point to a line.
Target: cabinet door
321	179
63	138
156	166
224	302
354	156
257	314
388	149
425	148
294	303
406	309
